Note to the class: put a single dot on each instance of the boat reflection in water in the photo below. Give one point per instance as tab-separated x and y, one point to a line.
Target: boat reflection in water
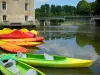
67	71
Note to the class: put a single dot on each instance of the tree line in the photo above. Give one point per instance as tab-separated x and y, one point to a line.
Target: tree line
82	8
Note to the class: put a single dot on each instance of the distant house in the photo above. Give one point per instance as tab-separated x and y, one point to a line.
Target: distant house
17	12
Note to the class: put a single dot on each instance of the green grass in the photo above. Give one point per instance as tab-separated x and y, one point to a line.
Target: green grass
73	23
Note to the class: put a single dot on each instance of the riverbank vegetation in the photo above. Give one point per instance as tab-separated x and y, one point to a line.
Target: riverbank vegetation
83	8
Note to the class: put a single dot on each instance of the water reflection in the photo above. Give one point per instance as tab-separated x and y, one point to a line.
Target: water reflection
68	48
58	35
76	45
76	42
75	71
88	39
30	49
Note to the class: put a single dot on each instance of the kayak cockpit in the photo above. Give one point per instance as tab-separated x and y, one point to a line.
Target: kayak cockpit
44	56
18	68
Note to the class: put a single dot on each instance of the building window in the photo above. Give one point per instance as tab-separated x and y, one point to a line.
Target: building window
26	18
4	17
26	6
3	5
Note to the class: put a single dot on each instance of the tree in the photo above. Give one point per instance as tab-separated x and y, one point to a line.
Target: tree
83	8
42	11
47	9
92	7
58	10
53	10
97	7
37	13
69	10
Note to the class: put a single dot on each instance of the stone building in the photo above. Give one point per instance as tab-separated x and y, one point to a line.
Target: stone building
17	12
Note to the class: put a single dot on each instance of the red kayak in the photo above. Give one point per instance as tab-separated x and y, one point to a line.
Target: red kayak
17	34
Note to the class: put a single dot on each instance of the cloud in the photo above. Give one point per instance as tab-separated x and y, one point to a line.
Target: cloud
43	0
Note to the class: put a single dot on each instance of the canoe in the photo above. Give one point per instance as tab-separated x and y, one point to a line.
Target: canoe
12	47
12	67
53	61
36	39
16	34
26	43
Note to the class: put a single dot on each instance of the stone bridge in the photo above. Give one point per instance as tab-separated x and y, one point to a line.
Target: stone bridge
83	19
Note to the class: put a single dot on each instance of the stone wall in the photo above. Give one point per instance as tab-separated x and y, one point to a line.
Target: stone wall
16	13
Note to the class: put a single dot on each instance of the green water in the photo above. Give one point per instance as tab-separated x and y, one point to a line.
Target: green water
77	42
81	42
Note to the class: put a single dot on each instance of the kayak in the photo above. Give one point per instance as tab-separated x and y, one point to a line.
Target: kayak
16	34
6	31
13	67
35	32
27	31
53	61
26	43
32	31
12	47
36	39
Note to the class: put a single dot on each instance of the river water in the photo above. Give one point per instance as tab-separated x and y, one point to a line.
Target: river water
72	41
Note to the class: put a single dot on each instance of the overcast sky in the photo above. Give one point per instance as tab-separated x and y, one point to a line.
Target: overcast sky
38	3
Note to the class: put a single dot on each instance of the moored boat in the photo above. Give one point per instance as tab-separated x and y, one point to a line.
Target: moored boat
31	31
10	47
16	34
36	39
12	67
26	43
6	31
52	61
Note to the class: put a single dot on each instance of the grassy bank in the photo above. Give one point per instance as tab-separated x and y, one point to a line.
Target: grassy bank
73	23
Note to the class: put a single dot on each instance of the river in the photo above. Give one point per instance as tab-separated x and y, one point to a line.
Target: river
72	41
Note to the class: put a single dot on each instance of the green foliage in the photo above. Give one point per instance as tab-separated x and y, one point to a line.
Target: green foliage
46	10
53	11
37	13
69	10
97	7
58	10
83	8
92	4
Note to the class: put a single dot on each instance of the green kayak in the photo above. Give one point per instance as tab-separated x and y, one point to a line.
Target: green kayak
45	60
12	67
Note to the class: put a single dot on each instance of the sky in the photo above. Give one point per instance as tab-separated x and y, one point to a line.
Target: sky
38	3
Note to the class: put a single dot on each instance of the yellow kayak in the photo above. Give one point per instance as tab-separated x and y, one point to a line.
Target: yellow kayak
53	61
6	31
32	31
25	43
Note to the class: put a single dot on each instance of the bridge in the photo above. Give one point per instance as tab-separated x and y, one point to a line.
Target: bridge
54	20
51	20
96	20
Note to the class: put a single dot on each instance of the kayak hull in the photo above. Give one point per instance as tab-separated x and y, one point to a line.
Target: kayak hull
58	62
16	34
12	47
22	67
26	43
5	71
36	39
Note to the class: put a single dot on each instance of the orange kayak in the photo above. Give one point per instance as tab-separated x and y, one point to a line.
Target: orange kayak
26	43
12	47
36	39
